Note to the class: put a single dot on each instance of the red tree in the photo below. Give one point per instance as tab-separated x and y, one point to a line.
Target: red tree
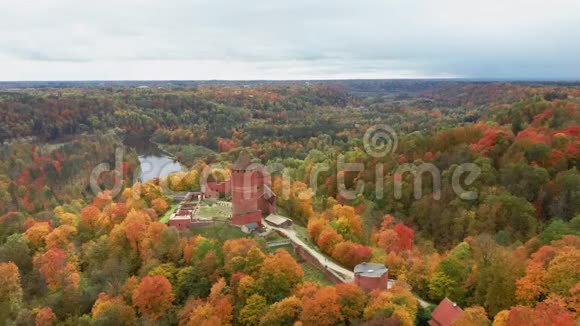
153	296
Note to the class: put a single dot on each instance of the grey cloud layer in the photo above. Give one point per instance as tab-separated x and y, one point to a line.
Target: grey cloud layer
64	39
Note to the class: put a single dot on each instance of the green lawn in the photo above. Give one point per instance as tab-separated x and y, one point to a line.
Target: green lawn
302	233
273	236
167	215
220	232
287	247
313	274
207	212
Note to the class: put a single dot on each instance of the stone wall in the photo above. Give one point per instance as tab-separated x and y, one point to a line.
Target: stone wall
305	254
242	219
180	224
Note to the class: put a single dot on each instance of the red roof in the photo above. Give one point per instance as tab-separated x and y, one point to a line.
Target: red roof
445	313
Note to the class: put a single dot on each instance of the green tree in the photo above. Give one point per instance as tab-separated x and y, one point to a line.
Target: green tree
253	311
190	283
441	286
16	250
504	211
451	275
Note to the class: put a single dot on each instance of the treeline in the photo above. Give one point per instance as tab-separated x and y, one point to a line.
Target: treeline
211	111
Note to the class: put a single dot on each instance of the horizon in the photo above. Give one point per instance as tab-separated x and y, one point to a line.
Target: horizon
454	79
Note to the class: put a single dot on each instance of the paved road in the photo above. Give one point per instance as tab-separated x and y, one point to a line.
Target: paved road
345	274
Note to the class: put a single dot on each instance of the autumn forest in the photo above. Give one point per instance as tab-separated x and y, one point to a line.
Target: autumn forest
79	247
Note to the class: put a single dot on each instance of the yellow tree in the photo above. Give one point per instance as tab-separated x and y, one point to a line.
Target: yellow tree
69	219
10	291
352	301
348	222
399	300
283	312
159	205
279	274
61	237
37	233
107	309
501	318
253	311
473	316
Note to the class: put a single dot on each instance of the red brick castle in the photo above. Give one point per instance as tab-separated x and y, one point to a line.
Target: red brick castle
249	185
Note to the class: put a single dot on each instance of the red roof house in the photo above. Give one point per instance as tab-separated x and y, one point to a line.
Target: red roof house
445	313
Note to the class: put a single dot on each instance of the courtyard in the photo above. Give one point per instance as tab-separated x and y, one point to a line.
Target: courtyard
213	210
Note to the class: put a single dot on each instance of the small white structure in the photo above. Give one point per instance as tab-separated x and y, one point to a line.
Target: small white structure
250	227
278	221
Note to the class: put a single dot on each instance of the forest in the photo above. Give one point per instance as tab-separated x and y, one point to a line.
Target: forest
508	256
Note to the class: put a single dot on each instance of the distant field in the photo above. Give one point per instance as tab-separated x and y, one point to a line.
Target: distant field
167	215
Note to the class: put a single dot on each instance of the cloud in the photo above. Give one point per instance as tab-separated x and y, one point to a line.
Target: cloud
203	39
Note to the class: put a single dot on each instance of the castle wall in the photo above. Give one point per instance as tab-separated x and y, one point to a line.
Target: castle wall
243	219
180	224
307	256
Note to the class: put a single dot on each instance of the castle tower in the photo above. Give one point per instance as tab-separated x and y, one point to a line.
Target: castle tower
245	194
244	186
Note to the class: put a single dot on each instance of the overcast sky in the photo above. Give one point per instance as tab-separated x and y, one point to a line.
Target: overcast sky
288	39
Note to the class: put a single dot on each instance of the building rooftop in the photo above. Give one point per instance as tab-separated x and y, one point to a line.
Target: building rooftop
446	312
268	193
370	269
276	219
252	226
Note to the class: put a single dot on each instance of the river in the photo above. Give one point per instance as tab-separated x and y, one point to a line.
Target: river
154	162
